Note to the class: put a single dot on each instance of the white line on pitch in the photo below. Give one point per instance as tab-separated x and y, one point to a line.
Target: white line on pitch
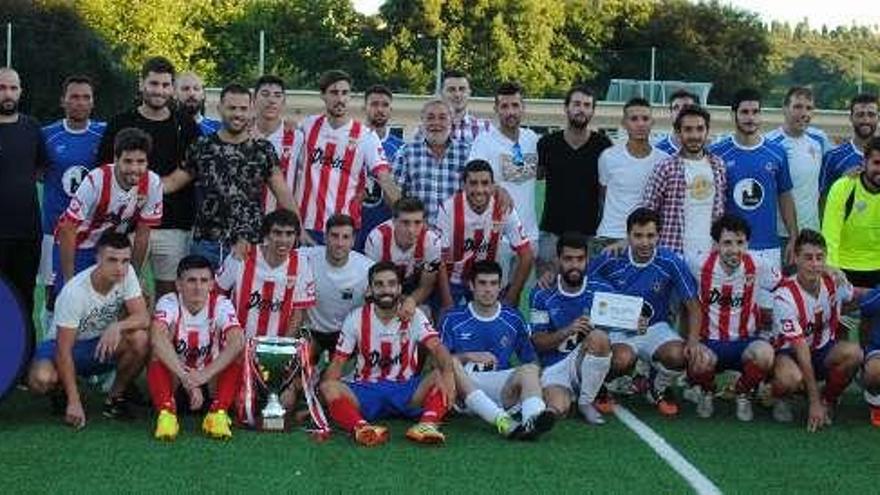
698	481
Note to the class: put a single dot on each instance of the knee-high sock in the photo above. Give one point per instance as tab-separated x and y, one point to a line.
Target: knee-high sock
480	404
835	384
532	406
751	377
346	415
664	377
705	381
593	371
434	406
227	387
161	386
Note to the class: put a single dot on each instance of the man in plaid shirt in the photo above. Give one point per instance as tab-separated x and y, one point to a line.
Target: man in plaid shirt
456	90
688	189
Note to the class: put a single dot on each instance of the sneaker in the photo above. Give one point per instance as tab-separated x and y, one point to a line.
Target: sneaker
370	435
875	416
506	425
604	403
117	408
591	413
665	404
537	425
705	403
427	433
167	426
217	425
782	411
135	397
744	407
692	393
830	410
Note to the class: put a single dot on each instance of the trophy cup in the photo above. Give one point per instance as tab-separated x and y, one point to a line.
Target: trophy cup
276	359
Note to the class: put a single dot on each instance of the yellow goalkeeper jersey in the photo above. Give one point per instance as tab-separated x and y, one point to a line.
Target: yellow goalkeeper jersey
851	225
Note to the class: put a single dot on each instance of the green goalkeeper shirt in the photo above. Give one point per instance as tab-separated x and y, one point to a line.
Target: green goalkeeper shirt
851	225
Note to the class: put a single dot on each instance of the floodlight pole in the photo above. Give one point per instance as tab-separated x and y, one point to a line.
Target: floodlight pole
8	44
653	72
861	73
262	66
438	82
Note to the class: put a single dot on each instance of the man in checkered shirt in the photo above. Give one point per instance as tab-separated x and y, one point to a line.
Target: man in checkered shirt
456	91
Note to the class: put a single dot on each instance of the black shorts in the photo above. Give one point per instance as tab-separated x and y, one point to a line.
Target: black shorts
868	279
325	341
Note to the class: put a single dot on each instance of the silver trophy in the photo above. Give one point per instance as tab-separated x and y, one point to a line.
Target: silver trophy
277	359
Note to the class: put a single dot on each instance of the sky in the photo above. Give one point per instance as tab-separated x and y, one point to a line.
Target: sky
832	13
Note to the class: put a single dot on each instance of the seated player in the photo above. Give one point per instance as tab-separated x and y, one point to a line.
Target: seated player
483	336
273	286
91	335
807	335
196	339
870	309
385	382
473	222
652	273
407	241
575	356
123	197
735	296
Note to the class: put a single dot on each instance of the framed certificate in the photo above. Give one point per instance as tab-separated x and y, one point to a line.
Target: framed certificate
616	311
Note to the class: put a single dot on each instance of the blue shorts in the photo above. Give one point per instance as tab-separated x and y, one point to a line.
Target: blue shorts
83	258
817	357
729	353
83	356
386	398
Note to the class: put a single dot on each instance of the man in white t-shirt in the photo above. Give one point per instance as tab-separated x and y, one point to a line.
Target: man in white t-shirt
90	336
624	170
271	125
340	283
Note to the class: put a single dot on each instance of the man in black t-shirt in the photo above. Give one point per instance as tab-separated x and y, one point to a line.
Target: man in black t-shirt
569	162
22	158
171	136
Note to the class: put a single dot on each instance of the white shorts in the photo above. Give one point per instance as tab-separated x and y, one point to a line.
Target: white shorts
646	345
509	260
45	274
562	373
167	248
491	382
772	258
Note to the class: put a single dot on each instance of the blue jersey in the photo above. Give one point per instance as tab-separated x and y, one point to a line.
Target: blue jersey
653	281
837	162
870	308
504	334
374	209
71	155
756	176
208	126
667	145
553	309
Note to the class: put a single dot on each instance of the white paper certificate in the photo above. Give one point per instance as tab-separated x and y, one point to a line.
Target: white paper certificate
616	311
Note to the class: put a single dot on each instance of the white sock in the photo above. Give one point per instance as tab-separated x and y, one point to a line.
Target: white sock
592	373
665	377
480	404
872	399
531	407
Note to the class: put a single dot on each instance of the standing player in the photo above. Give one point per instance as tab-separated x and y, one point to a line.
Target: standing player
870	310
473	223
484	335
734	288
575	356
758	180
407	242
863	115
651	272
270	124
190	96
807	334
375	210
71	152
339	154
456	91
670	143
91	336
123	197
196	340
386	381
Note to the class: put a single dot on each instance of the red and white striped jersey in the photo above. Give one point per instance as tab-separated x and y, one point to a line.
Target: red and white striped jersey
100	203
468	237
197	338
797	315
423	256
265	297
288	143
731	302
384	351
334	169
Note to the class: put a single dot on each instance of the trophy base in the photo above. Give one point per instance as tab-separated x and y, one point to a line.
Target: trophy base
278	424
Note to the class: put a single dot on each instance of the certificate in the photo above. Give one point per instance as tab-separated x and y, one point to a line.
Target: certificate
616	311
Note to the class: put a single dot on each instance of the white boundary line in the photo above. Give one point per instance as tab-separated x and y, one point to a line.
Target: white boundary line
699	482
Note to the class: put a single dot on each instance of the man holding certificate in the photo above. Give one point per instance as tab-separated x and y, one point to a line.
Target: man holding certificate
648	273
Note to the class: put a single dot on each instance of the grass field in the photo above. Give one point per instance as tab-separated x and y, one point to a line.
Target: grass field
40	455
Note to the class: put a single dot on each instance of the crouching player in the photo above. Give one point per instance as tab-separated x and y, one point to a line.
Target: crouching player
575	356
870	308
196	339
385	382
483	336
735	297
806	324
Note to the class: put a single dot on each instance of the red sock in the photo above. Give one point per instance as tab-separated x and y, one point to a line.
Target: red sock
751	376
706	381
227	387
160	384
777	390
347	416
434	406
835	384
